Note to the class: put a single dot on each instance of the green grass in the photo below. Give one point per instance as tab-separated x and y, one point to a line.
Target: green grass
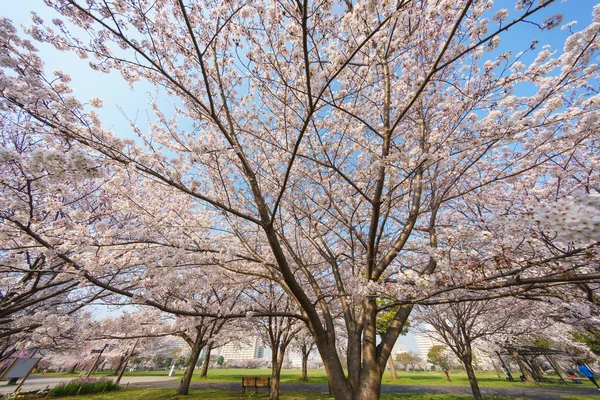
427	378
167	394
318	376
576	397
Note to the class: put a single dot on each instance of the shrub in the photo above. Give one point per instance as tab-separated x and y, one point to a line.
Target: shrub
87	385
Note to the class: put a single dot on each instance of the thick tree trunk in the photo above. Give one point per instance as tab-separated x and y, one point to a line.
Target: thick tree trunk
370	383
467	362
333	366
305	353
204	372
184	388
365	358
372	371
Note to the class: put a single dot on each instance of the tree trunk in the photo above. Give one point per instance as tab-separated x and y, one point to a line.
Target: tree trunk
537	377
392	368
275	374
372	371
184	388
204	372
370	383
467	362
126	361
496	369
523	367
333	367
353	360
73	368
172	371
305	353
559	371
119	365
368	355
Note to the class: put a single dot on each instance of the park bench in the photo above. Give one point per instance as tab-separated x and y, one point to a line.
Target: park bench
255	382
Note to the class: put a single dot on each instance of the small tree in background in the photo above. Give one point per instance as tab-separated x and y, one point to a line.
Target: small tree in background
439	357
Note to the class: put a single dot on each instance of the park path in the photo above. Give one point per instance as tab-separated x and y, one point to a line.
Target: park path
524	392
39	382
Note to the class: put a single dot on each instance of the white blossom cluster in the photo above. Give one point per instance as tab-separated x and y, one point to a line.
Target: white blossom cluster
574	220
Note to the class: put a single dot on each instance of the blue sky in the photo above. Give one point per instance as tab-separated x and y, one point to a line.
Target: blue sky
115	92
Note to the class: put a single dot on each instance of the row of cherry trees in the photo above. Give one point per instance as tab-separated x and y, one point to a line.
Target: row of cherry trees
322	164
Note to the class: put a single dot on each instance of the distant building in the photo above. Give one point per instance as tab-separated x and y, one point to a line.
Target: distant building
397	349
294	359
244	350
424	343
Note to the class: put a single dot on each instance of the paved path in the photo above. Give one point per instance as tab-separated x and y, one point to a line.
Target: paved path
39	382
525	392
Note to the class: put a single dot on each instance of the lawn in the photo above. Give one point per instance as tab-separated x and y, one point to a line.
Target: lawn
427	378
167	394
316	376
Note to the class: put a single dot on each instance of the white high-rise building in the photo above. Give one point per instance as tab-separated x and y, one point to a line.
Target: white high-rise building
424	343
397	349
244	350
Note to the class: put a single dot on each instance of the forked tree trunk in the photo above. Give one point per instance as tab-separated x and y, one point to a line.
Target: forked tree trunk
184	388
372	371
468	363
365	371
204	371
369	380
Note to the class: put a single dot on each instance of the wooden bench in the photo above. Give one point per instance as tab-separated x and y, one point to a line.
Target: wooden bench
255	382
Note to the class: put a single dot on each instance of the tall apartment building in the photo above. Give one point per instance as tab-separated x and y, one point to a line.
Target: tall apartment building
424	343
244	350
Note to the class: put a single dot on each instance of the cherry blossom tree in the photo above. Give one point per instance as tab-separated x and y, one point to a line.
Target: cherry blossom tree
345	151
304	343
37	291
408	360
460	325
277	331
